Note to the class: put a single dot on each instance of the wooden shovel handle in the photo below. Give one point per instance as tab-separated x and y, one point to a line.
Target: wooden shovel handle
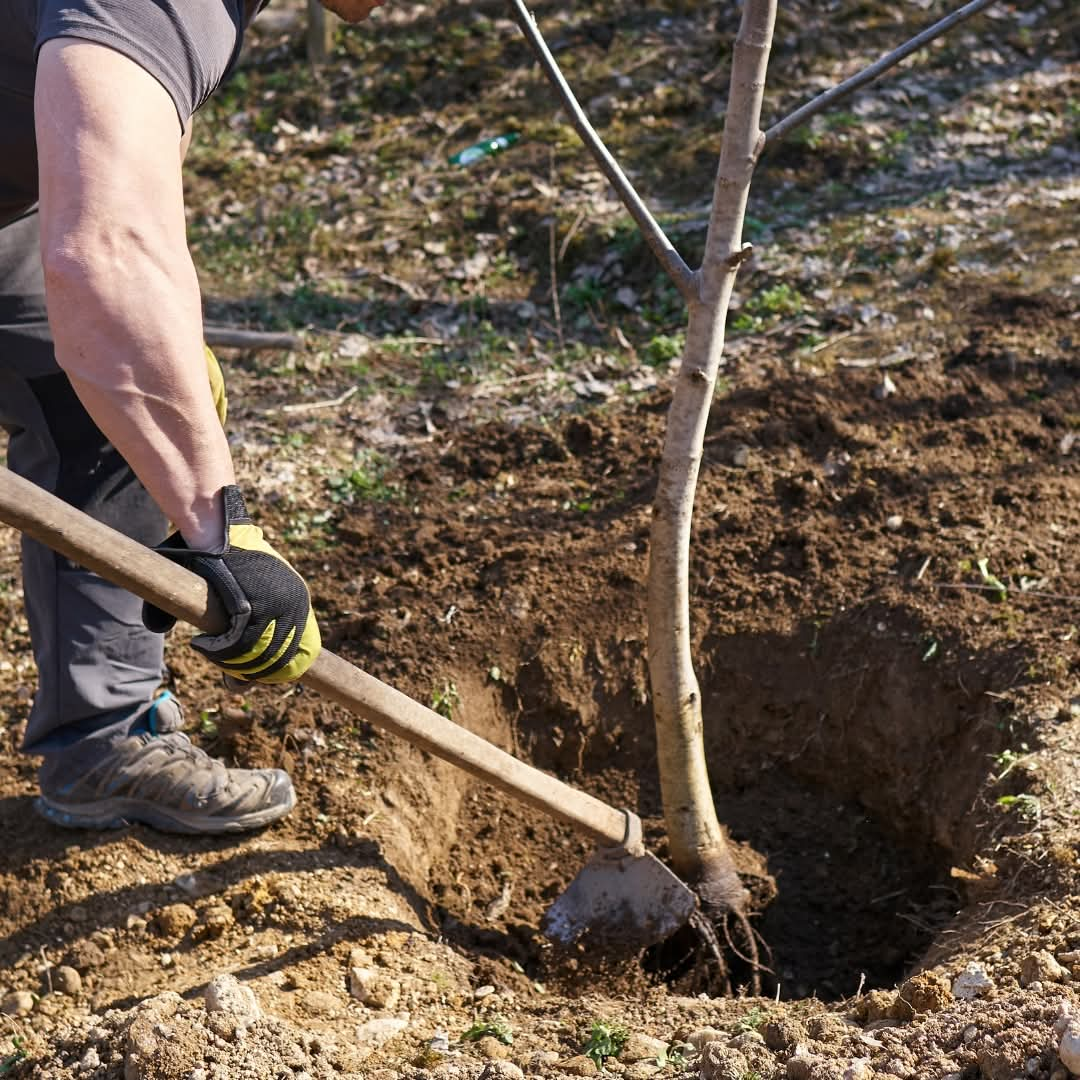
151	576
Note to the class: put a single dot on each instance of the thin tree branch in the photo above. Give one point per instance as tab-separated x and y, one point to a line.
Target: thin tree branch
684	278
806	112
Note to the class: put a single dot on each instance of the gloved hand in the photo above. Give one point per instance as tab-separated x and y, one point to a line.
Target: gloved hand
272	635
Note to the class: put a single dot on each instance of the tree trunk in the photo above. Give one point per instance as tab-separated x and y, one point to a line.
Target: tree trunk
699	848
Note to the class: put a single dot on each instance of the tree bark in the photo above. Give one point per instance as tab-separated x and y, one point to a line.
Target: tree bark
699	848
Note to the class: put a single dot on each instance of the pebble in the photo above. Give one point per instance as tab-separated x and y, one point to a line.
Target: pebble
859	1069
17	1003
894	522
972	982
187	883
491	1048
783	1032
483	991
542	1060
66	980
225	993
720	1062
90	1060
374	988
501	1070
579	1066
174	921
321	1003
697	1039
1069	1047
640	1047
884	389
1040	966
740	457
640	1070
374	1033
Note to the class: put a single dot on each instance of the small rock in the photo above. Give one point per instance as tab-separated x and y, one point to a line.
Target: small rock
322	1003
876	1006
90	1060
640	1070
440	1042
543	1060
922	993
720	1062
482	992
174	921
65	980
187	883
578	1066
491	1048
85	956
641	1047
1069	1047
501	1070
783	1032
225	993
800	1067
859	1069
740	457
894	522
213	923
972	983
884	389
697	1039
1040	966
374	989
17	1003
374	1033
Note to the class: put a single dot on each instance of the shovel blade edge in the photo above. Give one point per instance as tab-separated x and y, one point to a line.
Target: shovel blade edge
628	902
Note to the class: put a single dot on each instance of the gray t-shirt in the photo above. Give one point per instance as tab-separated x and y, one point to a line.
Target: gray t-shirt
187	45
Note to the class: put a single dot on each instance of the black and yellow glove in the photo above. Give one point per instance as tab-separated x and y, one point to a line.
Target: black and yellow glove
217	384
272	635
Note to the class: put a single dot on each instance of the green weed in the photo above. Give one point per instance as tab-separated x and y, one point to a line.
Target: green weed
751	1021
664	348
446	700
1027	807
605	1040
365	482
8	1063
494	1027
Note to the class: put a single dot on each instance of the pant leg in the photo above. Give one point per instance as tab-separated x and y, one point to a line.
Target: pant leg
97	665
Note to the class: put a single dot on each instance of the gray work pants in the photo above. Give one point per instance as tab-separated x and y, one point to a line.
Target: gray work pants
98	666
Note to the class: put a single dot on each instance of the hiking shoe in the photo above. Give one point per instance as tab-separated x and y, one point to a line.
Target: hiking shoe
157	777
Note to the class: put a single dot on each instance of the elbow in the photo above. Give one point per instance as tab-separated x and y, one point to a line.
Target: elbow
76	272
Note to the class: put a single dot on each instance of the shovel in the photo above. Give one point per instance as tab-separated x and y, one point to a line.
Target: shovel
622	897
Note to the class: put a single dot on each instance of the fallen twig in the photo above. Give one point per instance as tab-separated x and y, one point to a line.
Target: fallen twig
307	406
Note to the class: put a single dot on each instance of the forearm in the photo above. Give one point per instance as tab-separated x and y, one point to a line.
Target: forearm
126	321
122	293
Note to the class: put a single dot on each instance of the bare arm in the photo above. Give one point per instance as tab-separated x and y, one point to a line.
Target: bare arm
123	298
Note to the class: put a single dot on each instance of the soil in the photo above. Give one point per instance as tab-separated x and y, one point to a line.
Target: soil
884	588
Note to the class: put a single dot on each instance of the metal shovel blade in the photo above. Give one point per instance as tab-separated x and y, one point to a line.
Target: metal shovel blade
622	900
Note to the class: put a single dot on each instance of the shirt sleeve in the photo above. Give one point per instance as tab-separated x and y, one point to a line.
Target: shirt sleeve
187	45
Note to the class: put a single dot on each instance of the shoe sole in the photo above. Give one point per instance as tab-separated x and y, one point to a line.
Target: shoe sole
118	813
